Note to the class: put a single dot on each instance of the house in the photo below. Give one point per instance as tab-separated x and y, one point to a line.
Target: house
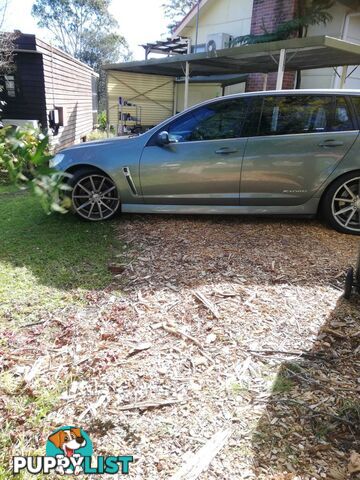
50	89
221	20
201	61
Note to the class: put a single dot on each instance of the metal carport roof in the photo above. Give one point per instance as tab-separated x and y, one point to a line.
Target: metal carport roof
301	54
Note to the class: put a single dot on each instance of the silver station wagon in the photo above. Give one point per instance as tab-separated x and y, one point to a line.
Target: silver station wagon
293	152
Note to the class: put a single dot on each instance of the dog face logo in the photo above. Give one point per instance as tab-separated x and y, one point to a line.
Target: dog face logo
69	444
68	440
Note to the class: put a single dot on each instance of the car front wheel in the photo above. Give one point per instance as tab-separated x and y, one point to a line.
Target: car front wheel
341	204
94	195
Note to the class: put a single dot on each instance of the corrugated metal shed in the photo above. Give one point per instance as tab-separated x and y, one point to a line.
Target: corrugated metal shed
153	93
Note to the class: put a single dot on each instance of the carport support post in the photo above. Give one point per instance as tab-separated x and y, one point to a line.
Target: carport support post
343	76
281	69
187	77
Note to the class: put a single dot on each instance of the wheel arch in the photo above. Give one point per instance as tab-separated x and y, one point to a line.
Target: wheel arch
83	166
324	193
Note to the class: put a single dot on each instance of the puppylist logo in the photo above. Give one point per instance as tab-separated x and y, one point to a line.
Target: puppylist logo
69	451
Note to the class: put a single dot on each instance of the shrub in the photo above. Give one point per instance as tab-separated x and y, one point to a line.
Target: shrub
24	158
102	120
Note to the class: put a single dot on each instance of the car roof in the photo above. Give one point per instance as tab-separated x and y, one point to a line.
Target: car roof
329	91
319	91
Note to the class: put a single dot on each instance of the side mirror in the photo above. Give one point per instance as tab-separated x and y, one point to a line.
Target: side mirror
163	139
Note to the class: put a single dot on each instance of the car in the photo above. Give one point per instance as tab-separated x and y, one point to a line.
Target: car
293	152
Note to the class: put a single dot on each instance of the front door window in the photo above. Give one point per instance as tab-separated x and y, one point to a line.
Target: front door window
215	121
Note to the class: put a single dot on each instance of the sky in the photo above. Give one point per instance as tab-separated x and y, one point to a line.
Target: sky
140	21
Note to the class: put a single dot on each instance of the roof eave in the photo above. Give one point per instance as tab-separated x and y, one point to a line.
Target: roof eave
187	19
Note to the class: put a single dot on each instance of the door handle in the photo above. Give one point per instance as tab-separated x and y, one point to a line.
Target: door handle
331	143
226	151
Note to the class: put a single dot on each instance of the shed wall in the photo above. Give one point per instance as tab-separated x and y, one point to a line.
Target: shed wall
153	93
29	100
198	92
68	84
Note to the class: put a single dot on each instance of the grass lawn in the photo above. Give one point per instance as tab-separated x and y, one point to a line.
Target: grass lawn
47	261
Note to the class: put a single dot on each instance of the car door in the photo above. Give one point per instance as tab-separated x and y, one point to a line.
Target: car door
301	139
201	164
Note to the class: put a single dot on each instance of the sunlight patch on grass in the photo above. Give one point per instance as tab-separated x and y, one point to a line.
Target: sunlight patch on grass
47	261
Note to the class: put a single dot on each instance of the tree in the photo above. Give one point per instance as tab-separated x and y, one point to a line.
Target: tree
6	42
176	10
86	30
100	48
70	20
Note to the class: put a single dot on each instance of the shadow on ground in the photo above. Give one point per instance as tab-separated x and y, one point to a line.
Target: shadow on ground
312	421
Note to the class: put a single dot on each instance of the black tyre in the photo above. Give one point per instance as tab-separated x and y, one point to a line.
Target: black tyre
341	204
94	195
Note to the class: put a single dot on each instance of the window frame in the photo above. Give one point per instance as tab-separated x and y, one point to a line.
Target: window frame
4	82
354	109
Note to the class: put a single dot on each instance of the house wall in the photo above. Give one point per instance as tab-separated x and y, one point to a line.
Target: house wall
69	85
242	17
226	16
326	77
266	15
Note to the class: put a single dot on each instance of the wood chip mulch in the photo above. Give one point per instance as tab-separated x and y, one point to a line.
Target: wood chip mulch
221	335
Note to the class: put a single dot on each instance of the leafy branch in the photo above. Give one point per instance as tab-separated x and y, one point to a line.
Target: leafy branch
24	156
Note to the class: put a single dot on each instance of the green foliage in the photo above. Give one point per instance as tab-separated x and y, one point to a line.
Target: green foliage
24	156
311	12
82	28
86	30
102	120
176	10
99	48
68	20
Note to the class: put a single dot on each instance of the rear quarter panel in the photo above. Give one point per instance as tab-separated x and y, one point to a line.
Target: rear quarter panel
350	162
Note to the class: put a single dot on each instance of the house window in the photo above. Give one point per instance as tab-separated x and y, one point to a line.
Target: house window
9	85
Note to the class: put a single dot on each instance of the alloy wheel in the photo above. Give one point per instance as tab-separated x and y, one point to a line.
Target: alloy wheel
346	205
95	197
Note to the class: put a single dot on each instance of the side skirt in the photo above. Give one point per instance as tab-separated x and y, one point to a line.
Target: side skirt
308	208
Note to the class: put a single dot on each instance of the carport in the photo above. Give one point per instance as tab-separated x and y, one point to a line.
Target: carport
294	54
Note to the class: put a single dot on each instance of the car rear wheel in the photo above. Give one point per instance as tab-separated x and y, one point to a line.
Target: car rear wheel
341	204
94	195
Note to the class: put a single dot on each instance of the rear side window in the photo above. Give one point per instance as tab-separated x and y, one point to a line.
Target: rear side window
304	114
